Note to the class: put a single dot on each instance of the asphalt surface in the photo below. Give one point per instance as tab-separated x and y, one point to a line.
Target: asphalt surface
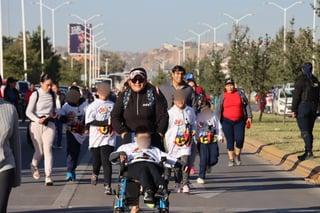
256	186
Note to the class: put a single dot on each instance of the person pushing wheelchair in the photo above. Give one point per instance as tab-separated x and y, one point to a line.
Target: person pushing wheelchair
143	162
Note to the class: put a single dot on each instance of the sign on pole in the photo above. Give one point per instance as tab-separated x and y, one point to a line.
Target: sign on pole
77	38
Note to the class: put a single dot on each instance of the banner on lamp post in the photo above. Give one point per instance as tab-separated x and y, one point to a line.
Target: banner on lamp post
76	39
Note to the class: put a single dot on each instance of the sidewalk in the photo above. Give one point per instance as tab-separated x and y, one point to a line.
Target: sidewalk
278	157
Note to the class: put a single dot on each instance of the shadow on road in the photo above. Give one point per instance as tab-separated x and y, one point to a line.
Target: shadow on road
308	209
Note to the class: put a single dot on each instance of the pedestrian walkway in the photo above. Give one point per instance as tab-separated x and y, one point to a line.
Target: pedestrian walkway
256	186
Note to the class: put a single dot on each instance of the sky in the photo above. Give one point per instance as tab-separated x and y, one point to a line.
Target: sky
140	25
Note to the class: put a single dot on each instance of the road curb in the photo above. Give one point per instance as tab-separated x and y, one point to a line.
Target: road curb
278	157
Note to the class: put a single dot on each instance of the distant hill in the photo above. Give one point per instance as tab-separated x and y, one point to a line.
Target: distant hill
168	55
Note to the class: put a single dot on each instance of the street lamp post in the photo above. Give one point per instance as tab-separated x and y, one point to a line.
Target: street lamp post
41	34
284	9
237	20
91	51
24	41
85	21
184	46
94	62
199	44
52	17
98	54
315	5
214	31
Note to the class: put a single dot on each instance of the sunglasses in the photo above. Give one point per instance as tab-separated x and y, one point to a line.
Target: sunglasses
140	80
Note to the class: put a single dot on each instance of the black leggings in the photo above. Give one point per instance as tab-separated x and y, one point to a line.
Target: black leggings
100	156
149	174
6	182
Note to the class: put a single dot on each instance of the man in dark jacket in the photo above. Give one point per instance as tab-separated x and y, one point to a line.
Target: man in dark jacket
141	104
304	107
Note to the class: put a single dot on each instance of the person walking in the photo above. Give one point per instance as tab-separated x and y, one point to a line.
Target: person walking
72	114
177	82
234	112
41	112
27	98
60	99
10	152
12	95
200	97
305	101
209	133
140	104
102	138
181	129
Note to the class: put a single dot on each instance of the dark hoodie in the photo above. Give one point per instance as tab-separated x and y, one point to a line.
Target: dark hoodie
306	88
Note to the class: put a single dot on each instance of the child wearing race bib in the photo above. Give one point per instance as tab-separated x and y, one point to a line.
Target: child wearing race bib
102	138
181	129
209	133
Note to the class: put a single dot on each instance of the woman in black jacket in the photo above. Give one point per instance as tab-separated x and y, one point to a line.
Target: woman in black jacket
140	104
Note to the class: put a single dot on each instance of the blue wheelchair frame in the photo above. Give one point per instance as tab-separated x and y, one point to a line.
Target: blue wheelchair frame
123	201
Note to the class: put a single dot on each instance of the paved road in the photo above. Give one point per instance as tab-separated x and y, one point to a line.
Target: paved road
257	186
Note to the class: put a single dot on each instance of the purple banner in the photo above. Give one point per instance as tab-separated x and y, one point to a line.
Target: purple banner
77	39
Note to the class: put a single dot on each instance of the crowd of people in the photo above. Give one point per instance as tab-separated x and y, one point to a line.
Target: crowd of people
174	119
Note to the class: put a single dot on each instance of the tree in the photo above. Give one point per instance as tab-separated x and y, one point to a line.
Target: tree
211	75
13	58
115	63
161	77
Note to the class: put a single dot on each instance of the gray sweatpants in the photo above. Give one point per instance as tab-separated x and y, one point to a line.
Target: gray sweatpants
42	138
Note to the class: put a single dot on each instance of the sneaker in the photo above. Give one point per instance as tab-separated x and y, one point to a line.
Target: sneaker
237	160
177	188
162	192
107	190
186	188
70	176
200	180
48	181
35	172
94	179
148	196
305	156
192	171
231	163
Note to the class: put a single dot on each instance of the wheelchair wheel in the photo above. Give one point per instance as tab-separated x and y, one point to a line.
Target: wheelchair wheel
166	210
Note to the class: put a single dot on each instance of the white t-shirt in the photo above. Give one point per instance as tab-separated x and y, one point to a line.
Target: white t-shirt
76	115
178	120
151	154
100	110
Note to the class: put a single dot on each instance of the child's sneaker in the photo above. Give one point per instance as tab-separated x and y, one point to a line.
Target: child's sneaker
107	190
237	160
70	176
231	163
48	181
177	188
94	179
192	170
186	188
200	180
35	172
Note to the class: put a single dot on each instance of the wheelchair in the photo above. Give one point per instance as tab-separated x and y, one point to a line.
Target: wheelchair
127	194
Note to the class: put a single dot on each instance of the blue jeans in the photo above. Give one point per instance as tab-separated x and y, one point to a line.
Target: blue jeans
234	132
306	116
209	154
58	138
73	152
